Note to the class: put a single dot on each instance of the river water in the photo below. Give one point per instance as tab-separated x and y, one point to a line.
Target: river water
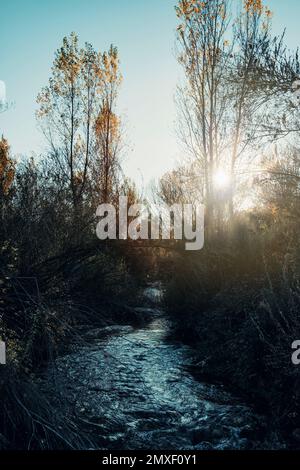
134	387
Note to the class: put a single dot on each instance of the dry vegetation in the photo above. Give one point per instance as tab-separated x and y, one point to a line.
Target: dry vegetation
237	301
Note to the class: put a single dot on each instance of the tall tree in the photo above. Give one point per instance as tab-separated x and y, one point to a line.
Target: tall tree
7	174
203	104
108	128
69	110
226	60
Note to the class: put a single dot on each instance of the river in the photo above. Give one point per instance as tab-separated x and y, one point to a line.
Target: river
135	388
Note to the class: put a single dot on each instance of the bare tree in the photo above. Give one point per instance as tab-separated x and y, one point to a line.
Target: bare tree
235	75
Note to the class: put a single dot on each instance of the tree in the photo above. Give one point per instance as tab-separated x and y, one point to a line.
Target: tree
7	173
108	128
202	101
7	168
230	89
83	86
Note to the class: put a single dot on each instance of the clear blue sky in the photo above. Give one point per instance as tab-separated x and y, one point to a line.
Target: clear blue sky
143	30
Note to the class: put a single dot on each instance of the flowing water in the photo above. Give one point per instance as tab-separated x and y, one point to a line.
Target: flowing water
136	389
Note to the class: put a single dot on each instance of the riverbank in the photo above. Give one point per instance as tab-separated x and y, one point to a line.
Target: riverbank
239	343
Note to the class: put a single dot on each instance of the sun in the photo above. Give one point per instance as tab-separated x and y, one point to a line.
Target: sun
221	179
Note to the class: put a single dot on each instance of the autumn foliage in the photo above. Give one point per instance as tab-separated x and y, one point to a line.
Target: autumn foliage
7	168
77	115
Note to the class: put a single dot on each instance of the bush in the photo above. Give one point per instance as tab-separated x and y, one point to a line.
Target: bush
239	305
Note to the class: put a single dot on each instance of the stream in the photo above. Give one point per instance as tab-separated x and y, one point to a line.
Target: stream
135	387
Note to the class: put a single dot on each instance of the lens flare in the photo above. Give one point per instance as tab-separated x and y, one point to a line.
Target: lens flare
221	179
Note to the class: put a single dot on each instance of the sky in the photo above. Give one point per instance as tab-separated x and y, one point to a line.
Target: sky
143	31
